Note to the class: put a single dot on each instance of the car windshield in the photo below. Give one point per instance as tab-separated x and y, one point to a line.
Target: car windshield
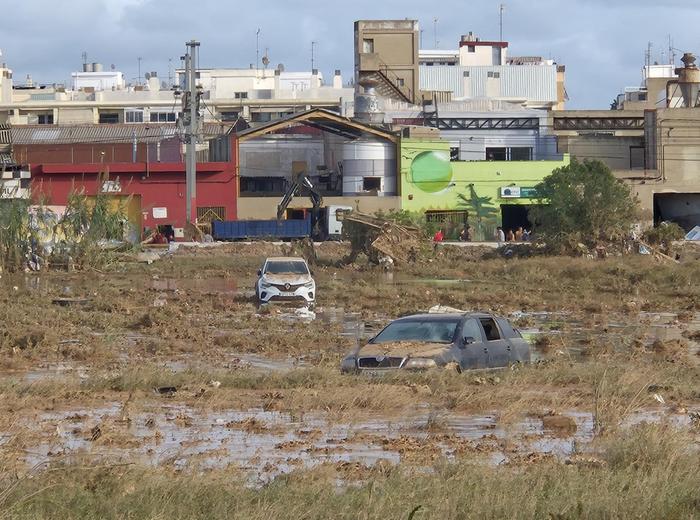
286	267
428	331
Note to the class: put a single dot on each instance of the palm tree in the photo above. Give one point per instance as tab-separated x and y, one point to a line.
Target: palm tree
481	208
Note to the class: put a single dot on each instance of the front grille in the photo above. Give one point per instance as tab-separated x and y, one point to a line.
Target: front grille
286	287
380	362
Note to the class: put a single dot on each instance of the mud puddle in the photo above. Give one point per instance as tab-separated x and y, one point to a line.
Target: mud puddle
266	444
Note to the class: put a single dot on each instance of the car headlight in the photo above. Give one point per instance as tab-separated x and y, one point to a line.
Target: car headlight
349	364
309	285
265	285
420	363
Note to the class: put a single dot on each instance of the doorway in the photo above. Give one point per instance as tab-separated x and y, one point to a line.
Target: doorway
514	216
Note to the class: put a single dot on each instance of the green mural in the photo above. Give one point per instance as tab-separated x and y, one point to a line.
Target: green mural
430	181
431	172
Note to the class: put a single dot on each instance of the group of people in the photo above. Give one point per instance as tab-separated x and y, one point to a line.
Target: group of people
519	235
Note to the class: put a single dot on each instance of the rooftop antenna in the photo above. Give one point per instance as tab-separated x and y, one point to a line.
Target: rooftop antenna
84	55
257	49
435	24
648	54
139	60
501	8
313	61
671	51
170	72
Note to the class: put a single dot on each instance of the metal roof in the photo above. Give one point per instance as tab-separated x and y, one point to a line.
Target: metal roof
322	119
529	82
104	133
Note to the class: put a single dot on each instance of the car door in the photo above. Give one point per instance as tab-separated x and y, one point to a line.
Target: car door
499	350
472	348
519	348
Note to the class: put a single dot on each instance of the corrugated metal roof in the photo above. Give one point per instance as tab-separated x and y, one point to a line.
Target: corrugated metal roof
530	82
104	133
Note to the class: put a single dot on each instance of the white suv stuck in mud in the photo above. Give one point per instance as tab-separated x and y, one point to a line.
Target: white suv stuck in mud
285	279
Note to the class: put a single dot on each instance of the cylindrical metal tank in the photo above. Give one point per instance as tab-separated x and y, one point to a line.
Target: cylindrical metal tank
369	166
97	67
87	67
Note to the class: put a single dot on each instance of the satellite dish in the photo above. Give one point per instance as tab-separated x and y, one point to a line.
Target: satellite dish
280	67
147	76
112	66
265	61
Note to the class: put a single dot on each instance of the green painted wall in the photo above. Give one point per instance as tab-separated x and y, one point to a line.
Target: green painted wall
429	181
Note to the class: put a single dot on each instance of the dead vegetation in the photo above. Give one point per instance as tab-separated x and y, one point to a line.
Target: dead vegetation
177	349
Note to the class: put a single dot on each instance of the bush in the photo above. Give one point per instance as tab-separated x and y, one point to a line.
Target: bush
583	203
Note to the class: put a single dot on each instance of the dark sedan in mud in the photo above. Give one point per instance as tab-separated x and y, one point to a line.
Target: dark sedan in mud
458	340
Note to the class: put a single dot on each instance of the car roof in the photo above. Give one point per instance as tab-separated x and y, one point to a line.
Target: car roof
439	316
285	259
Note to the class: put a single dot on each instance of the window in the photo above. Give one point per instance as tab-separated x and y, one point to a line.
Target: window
368	46
465	74
472	330
262	185
521	154
490	329
240	95
134	116
447	217
454	153
507	329
261	117
430	64
637	158
45	119
109	118
493	74
496	154
428	331
163	117
286	267
229	116
209	214
400	82
471	48
371	183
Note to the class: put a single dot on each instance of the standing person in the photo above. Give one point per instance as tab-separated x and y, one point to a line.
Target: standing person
499	235
466	234
439	236
510	237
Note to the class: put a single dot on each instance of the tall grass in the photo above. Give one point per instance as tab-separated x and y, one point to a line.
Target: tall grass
650	472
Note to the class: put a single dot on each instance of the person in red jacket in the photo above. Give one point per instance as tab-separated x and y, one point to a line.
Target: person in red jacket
439	236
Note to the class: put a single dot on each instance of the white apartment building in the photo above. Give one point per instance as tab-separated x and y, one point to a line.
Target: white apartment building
482	70
98	96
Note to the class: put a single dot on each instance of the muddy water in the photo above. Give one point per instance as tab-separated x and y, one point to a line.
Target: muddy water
265	443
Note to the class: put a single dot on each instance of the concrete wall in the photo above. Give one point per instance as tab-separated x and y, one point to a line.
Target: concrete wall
265	208
616	152
395	45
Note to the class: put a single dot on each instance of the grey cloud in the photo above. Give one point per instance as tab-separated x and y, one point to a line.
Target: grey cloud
601	42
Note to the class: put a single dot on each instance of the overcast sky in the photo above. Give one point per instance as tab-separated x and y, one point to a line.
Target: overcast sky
601	42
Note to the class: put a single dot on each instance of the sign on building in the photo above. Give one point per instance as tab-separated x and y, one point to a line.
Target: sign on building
518	192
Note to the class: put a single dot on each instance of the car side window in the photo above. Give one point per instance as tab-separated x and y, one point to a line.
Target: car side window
471	329
490	329
507	329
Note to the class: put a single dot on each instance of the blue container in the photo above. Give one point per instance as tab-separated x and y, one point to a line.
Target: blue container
246	229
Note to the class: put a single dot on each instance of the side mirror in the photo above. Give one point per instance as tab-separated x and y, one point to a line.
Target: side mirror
468	340
259	272
311	273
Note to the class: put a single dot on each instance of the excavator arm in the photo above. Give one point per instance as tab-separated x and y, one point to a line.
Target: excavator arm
300	180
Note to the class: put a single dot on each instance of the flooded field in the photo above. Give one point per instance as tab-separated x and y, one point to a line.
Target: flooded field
173	367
